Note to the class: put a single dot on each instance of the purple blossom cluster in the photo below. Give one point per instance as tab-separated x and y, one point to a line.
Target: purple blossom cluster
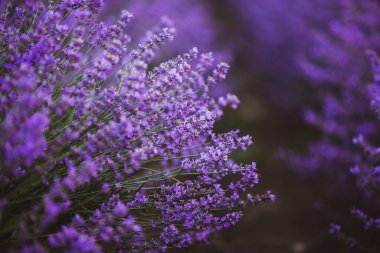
195	25
100	150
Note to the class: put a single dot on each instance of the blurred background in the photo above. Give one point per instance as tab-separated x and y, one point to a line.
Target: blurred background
300	70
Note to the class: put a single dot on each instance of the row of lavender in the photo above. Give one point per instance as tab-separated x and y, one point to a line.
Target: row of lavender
103	151
330	46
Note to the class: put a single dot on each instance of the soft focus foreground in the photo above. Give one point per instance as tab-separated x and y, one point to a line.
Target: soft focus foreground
100	149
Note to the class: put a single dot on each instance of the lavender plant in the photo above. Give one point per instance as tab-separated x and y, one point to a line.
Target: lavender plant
336	64
331	61
324	43
195	25
101	151
367	171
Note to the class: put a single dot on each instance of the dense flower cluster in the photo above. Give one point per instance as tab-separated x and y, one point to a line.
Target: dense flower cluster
195	25
100	150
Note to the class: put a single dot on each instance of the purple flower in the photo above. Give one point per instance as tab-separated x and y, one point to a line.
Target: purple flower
120	210
102	149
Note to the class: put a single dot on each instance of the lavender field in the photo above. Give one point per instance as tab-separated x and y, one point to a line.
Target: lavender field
190	126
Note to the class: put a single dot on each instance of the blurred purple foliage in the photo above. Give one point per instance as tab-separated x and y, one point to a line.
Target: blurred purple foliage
322	45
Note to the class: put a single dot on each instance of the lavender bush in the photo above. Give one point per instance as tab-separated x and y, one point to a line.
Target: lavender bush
100	150
331	60
324	44
336	66
368	171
